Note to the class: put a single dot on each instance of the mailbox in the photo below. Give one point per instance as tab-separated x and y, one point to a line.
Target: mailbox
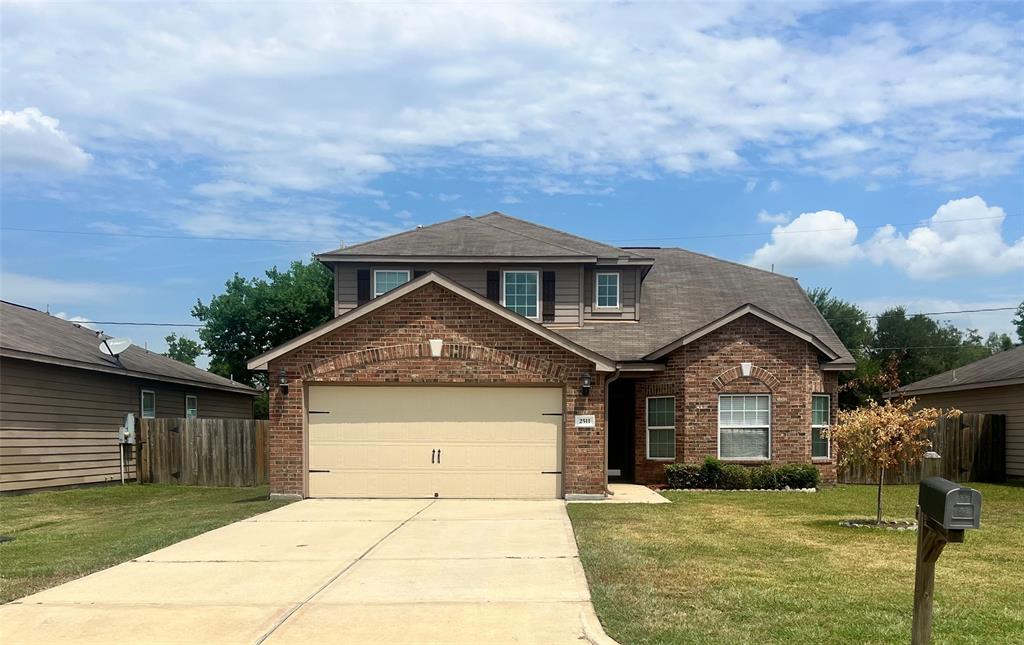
952	506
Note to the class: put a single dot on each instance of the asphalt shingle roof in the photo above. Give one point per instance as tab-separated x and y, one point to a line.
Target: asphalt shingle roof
491	235
1004	366
685	291
40	336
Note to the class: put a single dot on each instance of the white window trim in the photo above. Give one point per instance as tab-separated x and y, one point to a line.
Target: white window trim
373	286
196	399
828	438
647	433
142	404
718	415
618	291
540	287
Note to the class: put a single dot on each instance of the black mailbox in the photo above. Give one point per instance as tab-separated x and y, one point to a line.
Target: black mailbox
951	505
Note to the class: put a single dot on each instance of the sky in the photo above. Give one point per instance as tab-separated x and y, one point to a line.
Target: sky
152	150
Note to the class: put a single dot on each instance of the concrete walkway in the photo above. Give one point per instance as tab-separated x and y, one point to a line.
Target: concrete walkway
338	571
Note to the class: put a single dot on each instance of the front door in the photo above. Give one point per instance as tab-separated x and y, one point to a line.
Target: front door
621	414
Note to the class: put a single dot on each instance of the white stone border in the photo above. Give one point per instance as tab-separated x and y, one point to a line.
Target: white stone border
739	490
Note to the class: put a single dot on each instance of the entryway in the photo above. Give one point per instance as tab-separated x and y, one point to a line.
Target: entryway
621	430
435	441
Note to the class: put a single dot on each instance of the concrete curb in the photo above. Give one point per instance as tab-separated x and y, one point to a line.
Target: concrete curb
593	631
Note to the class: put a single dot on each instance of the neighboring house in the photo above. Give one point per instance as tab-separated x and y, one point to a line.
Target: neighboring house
993	385
62	400
491	357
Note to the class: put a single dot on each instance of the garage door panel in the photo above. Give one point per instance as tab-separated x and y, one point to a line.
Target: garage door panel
378	441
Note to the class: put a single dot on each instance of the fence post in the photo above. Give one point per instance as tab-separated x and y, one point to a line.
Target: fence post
931	465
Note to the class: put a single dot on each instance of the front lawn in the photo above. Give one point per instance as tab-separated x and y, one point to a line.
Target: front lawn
737	567
63	535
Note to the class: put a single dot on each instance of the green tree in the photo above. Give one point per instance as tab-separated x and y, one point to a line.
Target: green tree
920	346
1018	322
257	314
182	349
853	326
998	342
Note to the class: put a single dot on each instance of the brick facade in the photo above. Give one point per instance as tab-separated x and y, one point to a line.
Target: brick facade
389	345
783	366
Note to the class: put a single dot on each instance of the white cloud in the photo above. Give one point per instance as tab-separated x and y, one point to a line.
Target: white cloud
81	320
445	197
41	293
765	217
231	188
964	237
510	199
824	238
314	96
382	204
404	216
775	186
751	185
30	141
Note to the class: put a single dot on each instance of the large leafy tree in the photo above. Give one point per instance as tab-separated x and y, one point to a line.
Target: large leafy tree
921	346
182	349
853	326
253	315
1018	322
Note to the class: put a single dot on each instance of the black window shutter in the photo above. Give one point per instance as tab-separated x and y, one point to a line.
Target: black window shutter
417	273
362	286
493	290
548	292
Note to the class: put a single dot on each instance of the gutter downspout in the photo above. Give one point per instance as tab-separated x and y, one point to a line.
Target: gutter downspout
607	401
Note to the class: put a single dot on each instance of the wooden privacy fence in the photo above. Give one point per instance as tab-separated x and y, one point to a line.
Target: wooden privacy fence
203	452
971	447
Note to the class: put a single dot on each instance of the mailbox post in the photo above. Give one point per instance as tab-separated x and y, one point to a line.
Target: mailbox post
944	511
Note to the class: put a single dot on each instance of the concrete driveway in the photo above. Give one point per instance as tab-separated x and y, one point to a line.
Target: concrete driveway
337	571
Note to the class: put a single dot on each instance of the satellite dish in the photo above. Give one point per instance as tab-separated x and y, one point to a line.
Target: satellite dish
114	346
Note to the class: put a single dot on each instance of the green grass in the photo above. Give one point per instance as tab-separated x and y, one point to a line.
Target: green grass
777	568
63	535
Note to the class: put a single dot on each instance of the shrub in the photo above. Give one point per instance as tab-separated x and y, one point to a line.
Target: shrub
685	476
764	477
733	477
798	476
712	470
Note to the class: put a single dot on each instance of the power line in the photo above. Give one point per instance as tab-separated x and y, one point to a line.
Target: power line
169	236
928	313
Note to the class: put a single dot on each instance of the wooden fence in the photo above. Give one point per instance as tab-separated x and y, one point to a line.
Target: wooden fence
203	452
971	447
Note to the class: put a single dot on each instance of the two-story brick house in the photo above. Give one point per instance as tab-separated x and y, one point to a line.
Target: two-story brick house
492	357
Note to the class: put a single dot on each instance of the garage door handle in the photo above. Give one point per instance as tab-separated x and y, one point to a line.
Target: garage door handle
432	455
438	455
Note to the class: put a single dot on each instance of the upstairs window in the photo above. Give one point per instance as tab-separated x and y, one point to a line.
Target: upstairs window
520	292
744	426
607	290
148	404
191	406
821	413
384	281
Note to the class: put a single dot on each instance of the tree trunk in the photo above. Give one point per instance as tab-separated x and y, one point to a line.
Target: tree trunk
878	506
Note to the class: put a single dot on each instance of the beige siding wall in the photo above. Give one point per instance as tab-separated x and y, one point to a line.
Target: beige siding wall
629	284
1008	400
471	276
58	425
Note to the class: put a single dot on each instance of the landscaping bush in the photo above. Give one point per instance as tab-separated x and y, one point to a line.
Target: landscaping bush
715	474
685	476
764	477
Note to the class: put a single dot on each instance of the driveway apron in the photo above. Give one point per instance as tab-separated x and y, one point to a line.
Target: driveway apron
337	571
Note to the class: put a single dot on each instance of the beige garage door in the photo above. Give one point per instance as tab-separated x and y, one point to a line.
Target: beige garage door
424	441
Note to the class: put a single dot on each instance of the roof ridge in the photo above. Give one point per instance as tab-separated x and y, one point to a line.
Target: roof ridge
555	230
732	262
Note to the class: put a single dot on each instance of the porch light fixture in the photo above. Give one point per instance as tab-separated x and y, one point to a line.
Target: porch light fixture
282	380
585	384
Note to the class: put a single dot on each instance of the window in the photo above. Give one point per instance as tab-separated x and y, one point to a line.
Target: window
661	427
607	290
821	412
384	281
148	404
521	292
744	426
191	406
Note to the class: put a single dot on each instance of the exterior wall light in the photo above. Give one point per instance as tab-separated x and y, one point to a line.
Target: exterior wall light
282	380
585	383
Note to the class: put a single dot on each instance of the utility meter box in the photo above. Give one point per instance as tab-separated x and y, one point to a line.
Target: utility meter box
126	433
951	505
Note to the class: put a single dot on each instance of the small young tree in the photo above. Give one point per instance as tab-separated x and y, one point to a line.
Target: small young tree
884	435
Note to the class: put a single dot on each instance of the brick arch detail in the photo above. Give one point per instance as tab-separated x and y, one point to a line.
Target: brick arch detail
756	372
453	351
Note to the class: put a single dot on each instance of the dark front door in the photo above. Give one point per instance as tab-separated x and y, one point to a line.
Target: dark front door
621	412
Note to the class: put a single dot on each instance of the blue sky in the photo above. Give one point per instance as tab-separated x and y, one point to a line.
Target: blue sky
874	149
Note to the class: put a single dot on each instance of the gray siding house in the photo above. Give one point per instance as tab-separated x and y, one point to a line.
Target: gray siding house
62	400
